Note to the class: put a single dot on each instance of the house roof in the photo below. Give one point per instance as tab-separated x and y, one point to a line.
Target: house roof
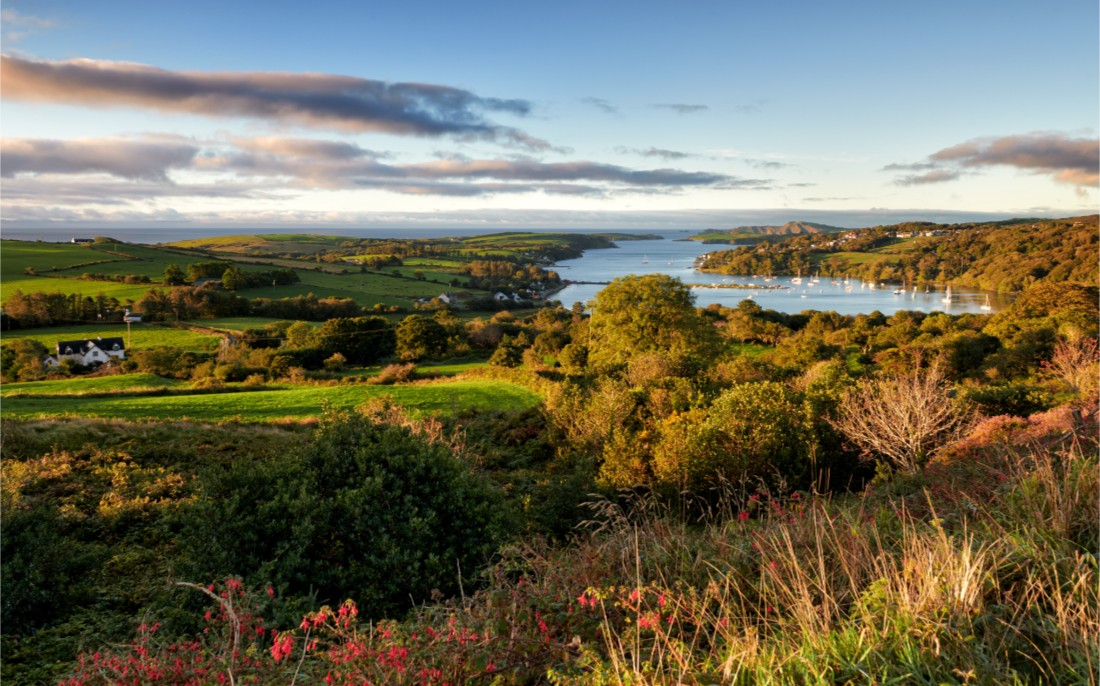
83	346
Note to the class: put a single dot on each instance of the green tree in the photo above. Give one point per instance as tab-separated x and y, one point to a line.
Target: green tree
637	314
361	340
507	354
21	359
419	337
232	279
174	276
752	431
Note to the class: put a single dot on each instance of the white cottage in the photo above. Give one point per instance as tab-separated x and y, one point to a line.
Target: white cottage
90	351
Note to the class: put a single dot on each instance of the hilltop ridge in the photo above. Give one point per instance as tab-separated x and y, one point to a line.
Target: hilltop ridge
752	234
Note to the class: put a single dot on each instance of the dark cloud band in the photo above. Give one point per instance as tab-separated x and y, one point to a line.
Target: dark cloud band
300	163
313	100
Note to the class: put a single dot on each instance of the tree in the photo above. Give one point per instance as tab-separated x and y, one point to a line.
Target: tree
637	314
21	359
903	419
507	354
361	340
752	431
174	276
1076	363
232	279
419	337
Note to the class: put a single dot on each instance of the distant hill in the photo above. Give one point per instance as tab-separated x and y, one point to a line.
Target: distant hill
788	229
752	234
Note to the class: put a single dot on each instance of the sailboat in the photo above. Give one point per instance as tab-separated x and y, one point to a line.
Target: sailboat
986	305
797	279
645	259
947	296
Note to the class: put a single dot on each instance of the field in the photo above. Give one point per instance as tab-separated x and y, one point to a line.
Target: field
142	336
19	256
122	383
284	401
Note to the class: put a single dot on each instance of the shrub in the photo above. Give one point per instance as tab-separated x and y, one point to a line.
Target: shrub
366	510
395	373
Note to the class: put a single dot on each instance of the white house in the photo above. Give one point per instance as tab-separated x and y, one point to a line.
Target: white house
90	352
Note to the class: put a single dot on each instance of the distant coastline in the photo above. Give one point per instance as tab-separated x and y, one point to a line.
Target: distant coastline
159	236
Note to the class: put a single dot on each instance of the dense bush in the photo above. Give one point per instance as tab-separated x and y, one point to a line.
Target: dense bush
367	511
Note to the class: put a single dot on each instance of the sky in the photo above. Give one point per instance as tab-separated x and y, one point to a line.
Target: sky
503	115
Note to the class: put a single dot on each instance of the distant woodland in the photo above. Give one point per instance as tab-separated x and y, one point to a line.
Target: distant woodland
1002	257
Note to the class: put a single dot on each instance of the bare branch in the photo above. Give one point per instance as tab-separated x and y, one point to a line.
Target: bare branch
902	419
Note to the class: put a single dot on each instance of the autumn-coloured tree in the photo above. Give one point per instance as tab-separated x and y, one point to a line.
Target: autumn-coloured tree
902	419
1076	363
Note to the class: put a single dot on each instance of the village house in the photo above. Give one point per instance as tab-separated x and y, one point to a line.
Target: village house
89	352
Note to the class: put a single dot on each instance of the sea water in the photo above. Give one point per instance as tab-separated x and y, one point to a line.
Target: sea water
675	255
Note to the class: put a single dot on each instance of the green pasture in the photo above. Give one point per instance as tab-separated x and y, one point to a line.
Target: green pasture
439	263
119	383
903	245
142	336
307	244
849	257
295	402
441	278
145	261
242	323
17	256
365	288
112	289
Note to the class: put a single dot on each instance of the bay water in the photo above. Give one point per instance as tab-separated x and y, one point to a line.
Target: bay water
675	256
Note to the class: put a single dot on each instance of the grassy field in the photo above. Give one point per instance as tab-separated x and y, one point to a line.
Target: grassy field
142	336
18	256
119	383
46	284
242	323
265	244
365	288
294	402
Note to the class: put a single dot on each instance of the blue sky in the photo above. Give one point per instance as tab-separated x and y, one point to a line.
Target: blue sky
565	114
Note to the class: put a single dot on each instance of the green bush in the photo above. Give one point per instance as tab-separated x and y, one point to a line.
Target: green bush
366	510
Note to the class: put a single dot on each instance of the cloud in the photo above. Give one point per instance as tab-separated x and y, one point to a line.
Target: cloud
1068	160
768	164
14	18
934	176
601	104
655	152
17	26
30	191
323	101
128	159
915	166
239	165
679	108
410	223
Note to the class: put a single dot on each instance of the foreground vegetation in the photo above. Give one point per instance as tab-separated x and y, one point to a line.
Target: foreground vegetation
650	494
